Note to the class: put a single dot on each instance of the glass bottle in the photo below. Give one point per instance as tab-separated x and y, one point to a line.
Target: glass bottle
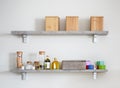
55	64
37	65
19	59
47	63
29	65
42	58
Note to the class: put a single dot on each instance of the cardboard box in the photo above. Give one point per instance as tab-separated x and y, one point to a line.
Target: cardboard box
52	23
74	64
72	23
96	23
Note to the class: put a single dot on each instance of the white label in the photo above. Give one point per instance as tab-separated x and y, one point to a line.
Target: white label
47	65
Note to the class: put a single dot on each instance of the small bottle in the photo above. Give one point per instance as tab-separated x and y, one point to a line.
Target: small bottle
42	58
37	65
47	63
55	64
29	65
19	59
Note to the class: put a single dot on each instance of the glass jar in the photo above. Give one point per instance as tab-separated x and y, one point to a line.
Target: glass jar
37	65
29	65
42	58
19	59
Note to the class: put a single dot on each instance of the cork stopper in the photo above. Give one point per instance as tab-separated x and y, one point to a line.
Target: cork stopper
55	59
42	52
19	52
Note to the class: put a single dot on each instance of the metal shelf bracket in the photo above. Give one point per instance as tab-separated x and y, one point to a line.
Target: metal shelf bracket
24	38
94	38
94	75
23	75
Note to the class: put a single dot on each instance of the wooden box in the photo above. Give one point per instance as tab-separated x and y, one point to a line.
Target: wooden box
73	64
52	23
96	23
72	23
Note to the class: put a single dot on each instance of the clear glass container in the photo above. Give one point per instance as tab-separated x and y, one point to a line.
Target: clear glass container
42	58
29	65
19	59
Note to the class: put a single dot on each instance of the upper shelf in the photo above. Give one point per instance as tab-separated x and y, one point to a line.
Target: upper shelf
24	34
59	33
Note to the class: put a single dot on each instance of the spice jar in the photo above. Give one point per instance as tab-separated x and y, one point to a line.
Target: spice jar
19	59
42	58
37	65
29	65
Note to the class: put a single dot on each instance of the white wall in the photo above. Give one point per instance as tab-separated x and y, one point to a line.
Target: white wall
29	15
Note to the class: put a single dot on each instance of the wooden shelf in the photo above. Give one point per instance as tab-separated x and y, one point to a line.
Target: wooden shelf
24	34
24	72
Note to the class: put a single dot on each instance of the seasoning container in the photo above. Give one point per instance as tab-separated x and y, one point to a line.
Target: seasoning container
29	65
42	58
55	64
37	65
19	59
47	63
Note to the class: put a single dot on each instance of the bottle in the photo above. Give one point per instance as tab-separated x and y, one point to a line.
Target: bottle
42	58
29	65
55	64
37	65
19	59
37	62
47	63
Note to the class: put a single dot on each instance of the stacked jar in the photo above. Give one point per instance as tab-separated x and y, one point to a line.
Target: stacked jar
89	65
100	65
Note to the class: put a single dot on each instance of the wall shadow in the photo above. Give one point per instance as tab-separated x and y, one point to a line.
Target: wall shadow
12	61
40	24
84	24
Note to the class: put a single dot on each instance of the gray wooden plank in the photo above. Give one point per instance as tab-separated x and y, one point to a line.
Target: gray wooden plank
59	33
59	71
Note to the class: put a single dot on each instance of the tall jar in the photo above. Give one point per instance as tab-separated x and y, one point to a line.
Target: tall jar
19	59
42	58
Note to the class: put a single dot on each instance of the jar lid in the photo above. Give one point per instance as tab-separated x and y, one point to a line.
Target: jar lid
19	52
41	52
29	62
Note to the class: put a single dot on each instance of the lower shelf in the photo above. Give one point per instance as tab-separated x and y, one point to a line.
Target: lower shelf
24	72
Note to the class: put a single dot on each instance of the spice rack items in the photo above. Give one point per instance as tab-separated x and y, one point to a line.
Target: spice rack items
43	63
